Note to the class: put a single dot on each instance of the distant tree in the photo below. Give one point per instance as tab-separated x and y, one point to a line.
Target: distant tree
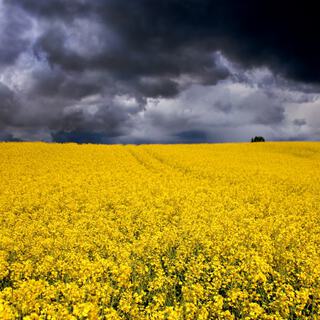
258	139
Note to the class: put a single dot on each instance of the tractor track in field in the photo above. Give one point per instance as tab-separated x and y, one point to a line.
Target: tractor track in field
142	161
156	164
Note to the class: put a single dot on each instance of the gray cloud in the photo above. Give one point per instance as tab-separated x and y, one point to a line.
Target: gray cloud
264	109
299	122
13	37
156	71
253	34
9	106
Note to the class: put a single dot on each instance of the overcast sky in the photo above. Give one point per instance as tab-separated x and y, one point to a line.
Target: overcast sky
159	71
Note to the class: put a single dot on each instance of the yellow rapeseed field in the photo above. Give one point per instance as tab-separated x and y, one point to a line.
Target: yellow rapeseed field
225	231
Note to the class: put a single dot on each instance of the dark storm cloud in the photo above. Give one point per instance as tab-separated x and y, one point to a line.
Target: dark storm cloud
9	106
58	83
55	8
80	137
86	70
129	62
106	119
272	33
192	136
158	87
9	138
299	122
13	41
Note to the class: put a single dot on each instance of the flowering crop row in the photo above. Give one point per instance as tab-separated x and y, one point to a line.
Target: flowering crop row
226	231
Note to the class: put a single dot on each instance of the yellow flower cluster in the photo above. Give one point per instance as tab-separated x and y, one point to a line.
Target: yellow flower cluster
225	231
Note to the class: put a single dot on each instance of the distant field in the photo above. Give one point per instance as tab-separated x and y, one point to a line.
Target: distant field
221	231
